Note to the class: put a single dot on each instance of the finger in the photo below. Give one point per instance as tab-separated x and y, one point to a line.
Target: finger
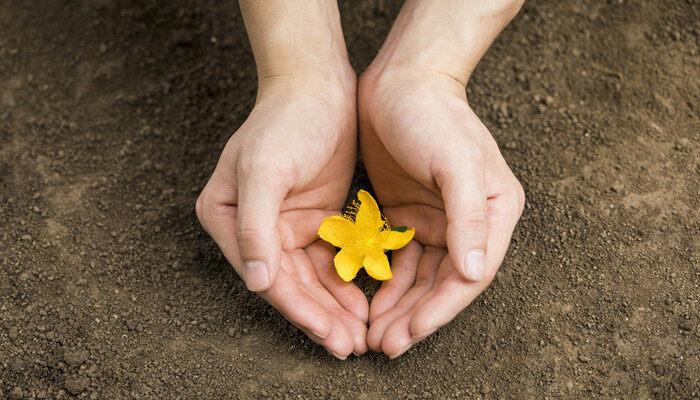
340	343
454	293
298	306
356	328
218	218
461	181
323	342
425	276
428	221
345	335
404	263
398	338
347	294
299	228
216	205
260	195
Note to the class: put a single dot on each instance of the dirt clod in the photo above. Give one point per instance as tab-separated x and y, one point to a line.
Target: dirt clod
76	386
75	359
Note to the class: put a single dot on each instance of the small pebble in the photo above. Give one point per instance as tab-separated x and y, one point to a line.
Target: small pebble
13	333
16	393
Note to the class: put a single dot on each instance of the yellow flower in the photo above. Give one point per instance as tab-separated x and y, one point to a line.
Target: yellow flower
363	236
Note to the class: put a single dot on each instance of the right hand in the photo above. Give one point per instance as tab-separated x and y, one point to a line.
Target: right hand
286	168
434	166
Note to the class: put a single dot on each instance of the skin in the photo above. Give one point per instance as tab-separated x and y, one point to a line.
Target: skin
433	164
288	167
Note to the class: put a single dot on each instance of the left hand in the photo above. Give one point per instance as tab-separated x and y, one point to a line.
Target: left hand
284	170
434	166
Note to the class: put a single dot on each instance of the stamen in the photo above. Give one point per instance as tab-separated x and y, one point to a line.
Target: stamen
351	210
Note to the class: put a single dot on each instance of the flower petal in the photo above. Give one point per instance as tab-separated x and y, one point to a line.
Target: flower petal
368	216
394	240
347	263
336	230
377	265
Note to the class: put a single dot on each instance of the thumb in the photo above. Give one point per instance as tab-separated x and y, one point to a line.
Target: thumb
260	196
462	183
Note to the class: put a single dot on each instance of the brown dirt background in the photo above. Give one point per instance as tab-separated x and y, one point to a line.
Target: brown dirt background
113	113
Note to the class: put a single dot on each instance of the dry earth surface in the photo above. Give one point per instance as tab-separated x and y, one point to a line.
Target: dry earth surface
113	114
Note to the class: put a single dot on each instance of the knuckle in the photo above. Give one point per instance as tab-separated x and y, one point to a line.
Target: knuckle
248	165
474	219
248	233
264	171
423	281
519	196
447	167
390	286
201	206
475	154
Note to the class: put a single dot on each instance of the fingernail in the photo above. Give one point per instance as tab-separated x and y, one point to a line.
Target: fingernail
319	335
476	265
418	338
405	349
338	356
256	275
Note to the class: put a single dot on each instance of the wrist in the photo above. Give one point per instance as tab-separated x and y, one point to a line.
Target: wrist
334	81
448	37
330	64
295	38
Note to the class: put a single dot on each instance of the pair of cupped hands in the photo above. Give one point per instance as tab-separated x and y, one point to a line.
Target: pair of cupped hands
433	166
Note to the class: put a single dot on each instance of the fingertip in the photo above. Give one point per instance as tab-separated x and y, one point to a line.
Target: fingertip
257	275
298	307
360	347
360	351
401	351
420	328
339	342
397	339
476	264
374	337
358	330
472	265
339	356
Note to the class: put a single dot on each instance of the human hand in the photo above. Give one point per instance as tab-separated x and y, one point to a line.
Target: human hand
434	166
285	169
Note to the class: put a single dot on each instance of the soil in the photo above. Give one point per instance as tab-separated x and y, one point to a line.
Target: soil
113	114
